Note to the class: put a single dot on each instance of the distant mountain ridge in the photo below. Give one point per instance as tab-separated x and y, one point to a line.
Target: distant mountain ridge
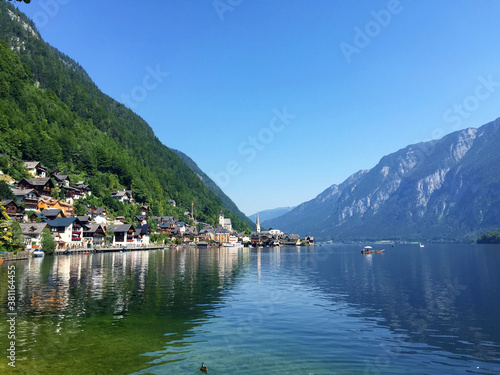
441	190
270	214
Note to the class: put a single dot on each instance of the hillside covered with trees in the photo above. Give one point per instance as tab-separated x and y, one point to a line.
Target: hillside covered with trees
52	112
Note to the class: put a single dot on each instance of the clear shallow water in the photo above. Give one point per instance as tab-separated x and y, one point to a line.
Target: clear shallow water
322	310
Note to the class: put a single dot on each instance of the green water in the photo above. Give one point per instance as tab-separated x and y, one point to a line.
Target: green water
327	310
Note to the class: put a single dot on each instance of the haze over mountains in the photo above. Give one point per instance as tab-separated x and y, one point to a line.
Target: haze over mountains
270	214
446	189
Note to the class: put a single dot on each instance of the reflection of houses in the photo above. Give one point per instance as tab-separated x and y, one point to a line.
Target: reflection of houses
43	186
32	233
14	210
29	197
66	232
35	168
93	235
123	234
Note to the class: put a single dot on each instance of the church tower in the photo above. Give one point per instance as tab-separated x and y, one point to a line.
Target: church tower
221	218
258	223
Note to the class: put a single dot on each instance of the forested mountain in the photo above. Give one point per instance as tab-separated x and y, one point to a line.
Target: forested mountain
446	189
52	112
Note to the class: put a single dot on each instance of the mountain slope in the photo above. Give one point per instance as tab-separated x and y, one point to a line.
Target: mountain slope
51	111
226	201
447	189
270	214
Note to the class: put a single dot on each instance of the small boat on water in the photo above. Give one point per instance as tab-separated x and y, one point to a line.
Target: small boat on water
38	253
421	244
369	250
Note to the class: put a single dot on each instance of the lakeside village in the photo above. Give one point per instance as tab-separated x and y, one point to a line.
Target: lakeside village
35	209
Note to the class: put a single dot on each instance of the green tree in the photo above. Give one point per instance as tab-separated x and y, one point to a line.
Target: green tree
5	192
48	243
17	237
489	238
5	230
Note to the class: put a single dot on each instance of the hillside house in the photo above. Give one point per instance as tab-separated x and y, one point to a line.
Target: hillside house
43	186
124	196
67	232
142	233
35	168
53	213
97	214
62	180
48	203
13	209
93	235
32	233
123	234
29	197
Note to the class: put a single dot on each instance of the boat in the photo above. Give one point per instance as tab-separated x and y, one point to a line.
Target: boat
38	253
369	250
421	245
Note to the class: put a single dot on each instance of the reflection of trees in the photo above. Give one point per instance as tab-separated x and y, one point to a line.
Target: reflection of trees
107	309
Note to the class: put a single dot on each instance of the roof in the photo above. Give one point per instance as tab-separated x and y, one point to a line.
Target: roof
119	228
61	222
37	181
143	228
23	192
32	228
31	164
7	201
93	228
51	211
84	218
60	177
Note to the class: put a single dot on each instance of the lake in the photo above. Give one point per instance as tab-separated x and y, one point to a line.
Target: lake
288	310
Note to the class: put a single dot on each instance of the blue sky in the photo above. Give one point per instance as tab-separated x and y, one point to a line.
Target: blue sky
278	100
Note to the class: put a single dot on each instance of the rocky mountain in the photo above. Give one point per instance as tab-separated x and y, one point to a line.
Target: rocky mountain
270	214
441	190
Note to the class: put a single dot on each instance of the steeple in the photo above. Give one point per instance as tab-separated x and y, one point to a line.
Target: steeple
258	223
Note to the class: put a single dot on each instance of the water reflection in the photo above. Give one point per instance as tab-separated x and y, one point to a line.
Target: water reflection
304	310
102	306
